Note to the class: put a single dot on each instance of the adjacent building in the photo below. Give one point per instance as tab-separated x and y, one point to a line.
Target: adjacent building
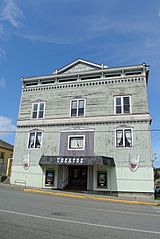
6	153
86	127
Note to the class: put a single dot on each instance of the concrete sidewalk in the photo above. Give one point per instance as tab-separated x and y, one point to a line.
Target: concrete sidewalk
94	197
80	195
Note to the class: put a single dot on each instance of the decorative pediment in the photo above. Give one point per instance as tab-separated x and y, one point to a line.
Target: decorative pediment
79	66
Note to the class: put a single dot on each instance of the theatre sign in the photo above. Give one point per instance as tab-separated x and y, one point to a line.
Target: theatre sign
75	160
61	160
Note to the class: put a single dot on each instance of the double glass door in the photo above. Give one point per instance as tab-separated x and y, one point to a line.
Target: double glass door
78	177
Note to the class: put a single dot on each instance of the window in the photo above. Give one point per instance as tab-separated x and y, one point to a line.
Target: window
49	179
38	110
77	107
124	138
101	179
35	140
76	142
2	155
122	104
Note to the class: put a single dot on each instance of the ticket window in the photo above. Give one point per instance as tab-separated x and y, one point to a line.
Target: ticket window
49	179
101	179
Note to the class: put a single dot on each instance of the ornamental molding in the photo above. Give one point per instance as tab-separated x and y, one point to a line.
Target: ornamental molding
80	83
23	125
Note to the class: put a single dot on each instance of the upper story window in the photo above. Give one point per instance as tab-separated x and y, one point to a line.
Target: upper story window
2	155
38	110
122	104
77	107
76	142
124	138
35	139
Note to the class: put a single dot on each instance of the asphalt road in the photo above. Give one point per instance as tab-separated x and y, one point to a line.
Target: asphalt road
30	215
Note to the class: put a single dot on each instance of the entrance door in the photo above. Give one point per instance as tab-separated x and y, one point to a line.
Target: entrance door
78	177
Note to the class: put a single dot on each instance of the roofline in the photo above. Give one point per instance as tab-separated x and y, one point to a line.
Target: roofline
86	72
7	146
101	66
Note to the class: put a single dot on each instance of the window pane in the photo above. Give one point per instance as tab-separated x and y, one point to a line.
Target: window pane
41	110
119	138
34	114
118	109
40	114
74	108
118	100
73	112
81	112
126	108
126	105
31	140
118	105
41	107
81	103
128	138
126	100
38	140
81	108
74	104
35	107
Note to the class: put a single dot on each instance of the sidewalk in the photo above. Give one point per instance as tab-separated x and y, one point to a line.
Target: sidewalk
95	197
80	195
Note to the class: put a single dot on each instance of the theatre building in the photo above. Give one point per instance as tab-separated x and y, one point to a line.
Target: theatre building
85	127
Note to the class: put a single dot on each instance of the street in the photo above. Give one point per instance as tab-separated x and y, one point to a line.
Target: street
31	215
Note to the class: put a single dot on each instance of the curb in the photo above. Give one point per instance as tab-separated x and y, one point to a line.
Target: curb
91	197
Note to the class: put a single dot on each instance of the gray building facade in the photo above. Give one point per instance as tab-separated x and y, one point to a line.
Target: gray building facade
86	127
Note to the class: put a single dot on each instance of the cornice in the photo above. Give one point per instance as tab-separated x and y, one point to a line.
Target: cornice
85	121
80	83
105	70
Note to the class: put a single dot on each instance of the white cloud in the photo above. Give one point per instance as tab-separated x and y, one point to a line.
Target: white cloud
6	125
2	82
46	39
11	12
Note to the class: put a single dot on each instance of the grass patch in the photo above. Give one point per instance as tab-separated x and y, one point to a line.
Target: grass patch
157	197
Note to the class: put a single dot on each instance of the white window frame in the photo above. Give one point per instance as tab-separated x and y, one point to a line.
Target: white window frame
123	129
79	99
35	132
75	136
38	109
122	106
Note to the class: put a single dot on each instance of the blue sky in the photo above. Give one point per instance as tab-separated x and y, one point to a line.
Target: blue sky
37	37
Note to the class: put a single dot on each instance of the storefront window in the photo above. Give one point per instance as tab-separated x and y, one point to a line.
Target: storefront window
49	180
101	179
